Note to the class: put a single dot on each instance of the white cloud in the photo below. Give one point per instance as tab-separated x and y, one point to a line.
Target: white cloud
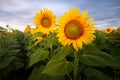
20	9
19	13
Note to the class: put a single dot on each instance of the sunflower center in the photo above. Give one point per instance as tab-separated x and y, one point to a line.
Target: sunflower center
46	22
73	30
108	30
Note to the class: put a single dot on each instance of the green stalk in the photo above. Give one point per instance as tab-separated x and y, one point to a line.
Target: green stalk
76	60
69	76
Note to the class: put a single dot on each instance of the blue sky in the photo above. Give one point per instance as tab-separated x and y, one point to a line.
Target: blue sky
19	13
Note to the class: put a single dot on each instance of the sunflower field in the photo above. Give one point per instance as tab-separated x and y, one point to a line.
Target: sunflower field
66	48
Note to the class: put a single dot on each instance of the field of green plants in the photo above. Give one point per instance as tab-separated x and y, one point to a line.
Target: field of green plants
24	58
34	55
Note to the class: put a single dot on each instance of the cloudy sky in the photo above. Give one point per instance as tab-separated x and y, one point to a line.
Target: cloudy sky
19	13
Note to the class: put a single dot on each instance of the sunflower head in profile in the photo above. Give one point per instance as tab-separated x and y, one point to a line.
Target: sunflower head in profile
75	29
13	30
27	28
118	30
108	30
114	30
45	21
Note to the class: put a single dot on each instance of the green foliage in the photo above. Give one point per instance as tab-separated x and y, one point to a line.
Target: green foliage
55	60
39	55
94	74
49	52
58	68
11	56
2	29
97	58
61	53
23	57
5	62
37	74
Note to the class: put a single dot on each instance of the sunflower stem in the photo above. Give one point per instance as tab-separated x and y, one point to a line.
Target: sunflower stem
76	60
69	76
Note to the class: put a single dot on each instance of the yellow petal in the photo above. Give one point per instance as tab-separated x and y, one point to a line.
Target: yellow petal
88	21
84	15
75	46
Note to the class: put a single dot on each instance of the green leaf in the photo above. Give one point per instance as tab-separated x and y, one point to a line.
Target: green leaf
62	53
39	55
117	58
5	62
97	58
91	47
58	68
2	29
37	75
5	71
37	34
3	52
115	51
17	63
116	54
36	72
53	40
13	52
94	74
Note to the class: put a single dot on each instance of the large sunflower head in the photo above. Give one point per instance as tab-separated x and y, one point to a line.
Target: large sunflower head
108	30
75	29
45	21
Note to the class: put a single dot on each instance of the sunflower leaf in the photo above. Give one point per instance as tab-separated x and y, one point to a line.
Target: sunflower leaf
94	74
57	68
39	55
62	53
97	58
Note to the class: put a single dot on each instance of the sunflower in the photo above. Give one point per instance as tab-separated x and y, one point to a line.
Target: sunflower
44	21
114	30
40	38
13	30
118	30
27	29
33	31
75	29
108	30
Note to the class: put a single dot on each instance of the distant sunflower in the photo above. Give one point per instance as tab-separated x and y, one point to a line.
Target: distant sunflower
118	30
75	29
114	30
13	30
45	21
27	28
32	31
40	38
108	30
